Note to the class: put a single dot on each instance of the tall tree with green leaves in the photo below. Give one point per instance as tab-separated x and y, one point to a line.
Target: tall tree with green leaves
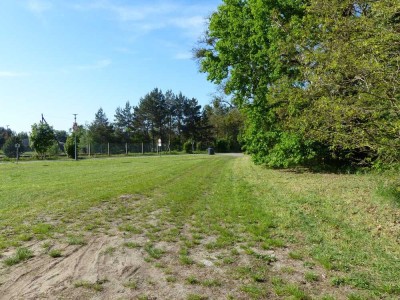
101	131
10	149
42	138
243	50
226	122
123	122
4	135
192	119
314	78
351	59
153	112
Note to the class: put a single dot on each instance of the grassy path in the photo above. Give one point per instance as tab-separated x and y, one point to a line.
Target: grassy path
214	227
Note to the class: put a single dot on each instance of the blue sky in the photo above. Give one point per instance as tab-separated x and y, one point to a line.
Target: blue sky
64	56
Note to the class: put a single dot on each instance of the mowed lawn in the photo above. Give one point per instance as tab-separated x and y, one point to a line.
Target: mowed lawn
216	227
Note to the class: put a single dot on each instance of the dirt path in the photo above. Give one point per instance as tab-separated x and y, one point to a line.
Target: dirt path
145	255
99	270
231	154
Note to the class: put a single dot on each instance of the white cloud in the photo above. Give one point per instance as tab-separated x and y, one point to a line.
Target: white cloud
189	22
128	13
183	56
39	6
194	25
149	16
8	74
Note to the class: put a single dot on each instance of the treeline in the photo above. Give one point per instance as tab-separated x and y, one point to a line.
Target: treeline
174	118
180	122
318	81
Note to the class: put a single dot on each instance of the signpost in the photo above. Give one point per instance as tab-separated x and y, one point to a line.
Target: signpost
159	146
17	147
75	130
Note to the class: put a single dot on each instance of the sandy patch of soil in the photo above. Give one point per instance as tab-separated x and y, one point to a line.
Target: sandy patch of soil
119	265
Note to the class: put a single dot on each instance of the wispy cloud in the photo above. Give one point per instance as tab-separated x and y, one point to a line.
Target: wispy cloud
127	13
39	6
149	16
100	64
8	74
194	25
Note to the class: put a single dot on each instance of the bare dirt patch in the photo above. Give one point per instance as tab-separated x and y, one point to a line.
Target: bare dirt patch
141	255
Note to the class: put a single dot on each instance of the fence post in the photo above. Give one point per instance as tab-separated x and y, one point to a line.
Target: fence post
108	149
142	148
126	148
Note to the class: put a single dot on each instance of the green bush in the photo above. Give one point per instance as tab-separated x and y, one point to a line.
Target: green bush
70	146
9	147
222	146
187	147
200	146
54	150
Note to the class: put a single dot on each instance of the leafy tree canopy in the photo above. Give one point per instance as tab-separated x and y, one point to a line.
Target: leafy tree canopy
9	147
314	78
42	138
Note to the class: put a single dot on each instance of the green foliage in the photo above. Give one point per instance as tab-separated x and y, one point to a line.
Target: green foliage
100	130
309	73
222	146
4	135
42	138
200	146
188	147
351	100
226	123
124	119
54	150
61	135
21	254
70	145
55	253
9	148
173	118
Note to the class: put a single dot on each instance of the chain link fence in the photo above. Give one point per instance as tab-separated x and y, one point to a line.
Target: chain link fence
109	149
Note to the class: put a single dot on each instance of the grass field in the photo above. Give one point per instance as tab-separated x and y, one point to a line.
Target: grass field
196	227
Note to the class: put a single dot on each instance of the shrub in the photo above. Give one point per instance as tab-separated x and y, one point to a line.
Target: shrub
70	146
188	147
200	146
54	150
222	146
9	147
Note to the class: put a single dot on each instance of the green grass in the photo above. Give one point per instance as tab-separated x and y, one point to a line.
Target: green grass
153	252
131	285
192	280
131	245
95	286
196	297
20	255
311	276
345	224
55	253
130	228
76	240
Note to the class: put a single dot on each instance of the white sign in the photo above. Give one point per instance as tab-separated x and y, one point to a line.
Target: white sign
159	142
